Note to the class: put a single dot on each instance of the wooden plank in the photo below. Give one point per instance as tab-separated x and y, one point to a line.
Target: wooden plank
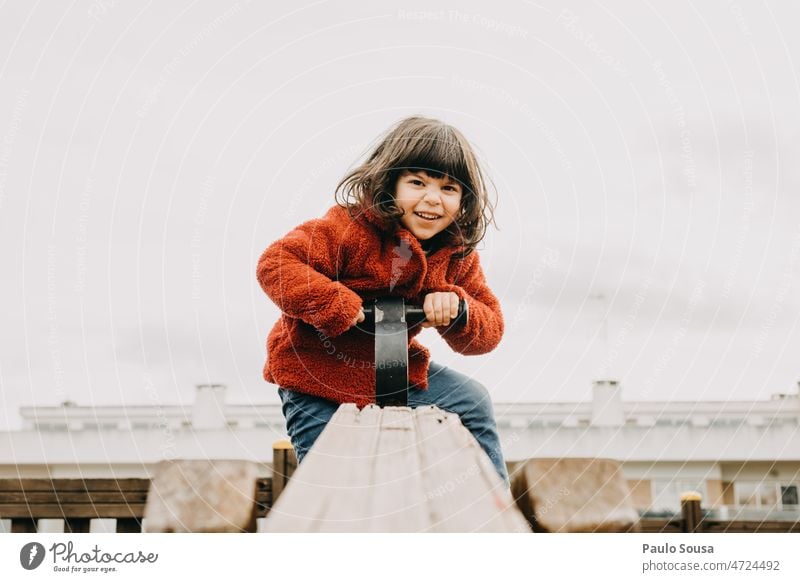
303	503
367	472
88	497
263	496
397	498
300	503
67	510
449	511
464	491
349	483
284	464
74	484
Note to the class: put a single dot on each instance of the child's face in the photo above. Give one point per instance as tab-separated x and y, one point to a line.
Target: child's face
429	204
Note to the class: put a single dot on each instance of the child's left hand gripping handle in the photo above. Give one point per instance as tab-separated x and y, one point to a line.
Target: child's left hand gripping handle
293	272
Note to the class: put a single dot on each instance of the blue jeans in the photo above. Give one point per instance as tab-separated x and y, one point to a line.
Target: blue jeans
306	415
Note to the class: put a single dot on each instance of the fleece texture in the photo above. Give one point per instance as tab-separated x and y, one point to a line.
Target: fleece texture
320	273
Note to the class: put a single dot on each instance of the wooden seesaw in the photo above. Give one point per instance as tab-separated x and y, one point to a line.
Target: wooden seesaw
391	468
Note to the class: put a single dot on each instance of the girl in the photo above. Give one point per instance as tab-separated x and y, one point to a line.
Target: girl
406	225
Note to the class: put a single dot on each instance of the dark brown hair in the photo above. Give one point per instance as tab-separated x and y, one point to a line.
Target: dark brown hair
438	149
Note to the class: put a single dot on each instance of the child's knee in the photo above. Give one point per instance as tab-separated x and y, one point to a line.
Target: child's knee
478	391
479	398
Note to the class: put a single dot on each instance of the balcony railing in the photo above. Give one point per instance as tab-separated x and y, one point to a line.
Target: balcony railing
693	518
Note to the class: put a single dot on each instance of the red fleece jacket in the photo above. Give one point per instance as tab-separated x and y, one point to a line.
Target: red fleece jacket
318	275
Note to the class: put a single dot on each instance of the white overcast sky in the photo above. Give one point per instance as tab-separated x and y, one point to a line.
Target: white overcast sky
645	156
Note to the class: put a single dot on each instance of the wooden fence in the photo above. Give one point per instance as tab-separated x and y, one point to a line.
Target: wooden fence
109	505
118	505
87	505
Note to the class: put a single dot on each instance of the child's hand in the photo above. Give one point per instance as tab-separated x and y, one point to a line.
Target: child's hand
359	318
440	307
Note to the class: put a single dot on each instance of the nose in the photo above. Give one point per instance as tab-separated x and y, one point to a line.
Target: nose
433	195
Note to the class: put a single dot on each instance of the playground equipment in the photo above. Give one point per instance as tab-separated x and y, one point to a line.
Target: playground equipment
389	319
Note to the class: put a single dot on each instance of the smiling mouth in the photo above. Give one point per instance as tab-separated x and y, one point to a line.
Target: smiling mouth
430	217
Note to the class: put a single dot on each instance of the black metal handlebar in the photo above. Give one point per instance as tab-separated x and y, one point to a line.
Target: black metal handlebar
390	318
415	315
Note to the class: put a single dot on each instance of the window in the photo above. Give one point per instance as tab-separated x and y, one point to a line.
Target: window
765	495
789	495
746	494
768	494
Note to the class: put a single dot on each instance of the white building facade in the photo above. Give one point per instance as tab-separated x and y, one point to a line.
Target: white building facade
737	454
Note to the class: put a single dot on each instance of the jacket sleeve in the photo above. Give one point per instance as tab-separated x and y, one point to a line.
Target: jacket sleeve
298	273
485	326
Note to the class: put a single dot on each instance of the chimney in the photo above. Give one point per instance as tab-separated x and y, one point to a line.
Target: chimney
208	411
607	403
